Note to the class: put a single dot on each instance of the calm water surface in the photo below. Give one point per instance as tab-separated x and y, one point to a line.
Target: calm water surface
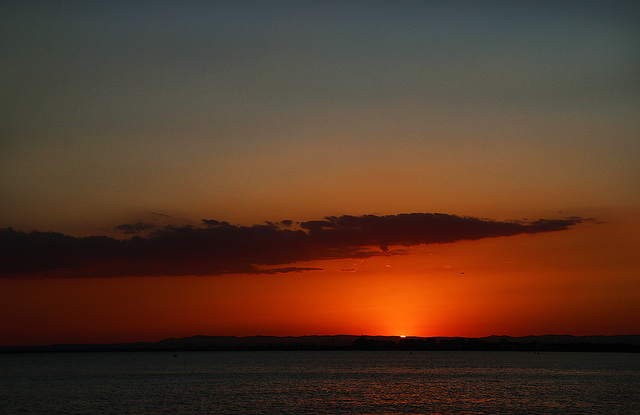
327	382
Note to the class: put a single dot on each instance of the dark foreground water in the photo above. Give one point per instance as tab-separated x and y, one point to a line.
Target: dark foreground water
327	382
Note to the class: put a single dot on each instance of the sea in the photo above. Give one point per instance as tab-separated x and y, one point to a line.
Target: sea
320	382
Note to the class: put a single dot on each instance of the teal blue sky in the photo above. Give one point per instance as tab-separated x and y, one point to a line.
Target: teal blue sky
251	111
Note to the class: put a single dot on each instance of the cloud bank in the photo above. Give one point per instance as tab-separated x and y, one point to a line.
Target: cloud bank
218	247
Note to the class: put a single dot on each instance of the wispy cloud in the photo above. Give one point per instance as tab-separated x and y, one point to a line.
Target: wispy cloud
218	247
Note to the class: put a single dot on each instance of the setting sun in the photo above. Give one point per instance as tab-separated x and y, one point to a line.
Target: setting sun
454	190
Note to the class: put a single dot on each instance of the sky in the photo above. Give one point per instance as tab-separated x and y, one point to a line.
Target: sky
170	169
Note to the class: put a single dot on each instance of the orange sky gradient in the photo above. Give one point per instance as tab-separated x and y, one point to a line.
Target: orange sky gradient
213	122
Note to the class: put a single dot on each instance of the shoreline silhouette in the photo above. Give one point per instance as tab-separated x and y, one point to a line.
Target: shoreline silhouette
547	343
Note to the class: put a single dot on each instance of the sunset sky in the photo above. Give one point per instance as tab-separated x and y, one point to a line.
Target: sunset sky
169	169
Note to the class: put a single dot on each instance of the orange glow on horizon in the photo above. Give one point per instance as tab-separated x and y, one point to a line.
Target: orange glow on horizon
523	285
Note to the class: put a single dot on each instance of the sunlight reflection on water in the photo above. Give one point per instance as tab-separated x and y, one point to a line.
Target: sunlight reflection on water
320	382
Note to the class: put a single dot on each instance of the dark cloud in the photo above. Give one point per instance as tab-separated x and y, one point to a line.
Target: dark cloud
419	228
287	223
134	228
217	247
213	222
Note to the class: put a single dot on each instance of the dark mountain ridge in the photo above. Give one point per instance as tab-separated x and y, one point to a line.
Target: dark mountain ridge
619	343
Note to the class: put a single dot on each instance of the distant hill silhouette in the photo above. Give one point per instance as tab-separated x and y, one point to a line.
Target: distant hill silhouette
630	343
